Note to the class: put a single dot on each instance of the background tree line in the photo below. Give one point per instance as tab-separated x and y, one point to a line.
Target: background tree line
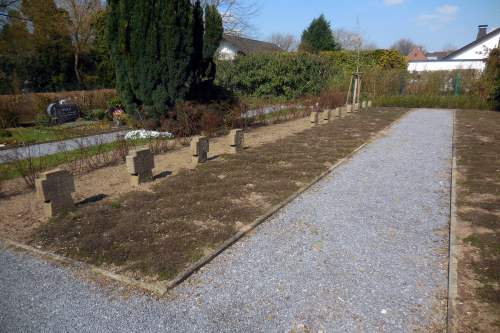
48	46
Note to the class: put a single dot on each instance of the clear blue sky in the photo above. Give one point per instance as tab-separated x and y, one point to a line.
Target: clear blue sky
432	23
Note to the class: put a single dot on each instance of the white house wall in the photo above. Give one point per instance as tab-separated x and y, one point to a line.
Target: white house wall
432	66
226	51
480	51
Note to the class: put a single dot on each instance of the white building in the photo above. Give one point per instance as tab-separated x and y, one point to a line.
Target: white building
471	56
231	46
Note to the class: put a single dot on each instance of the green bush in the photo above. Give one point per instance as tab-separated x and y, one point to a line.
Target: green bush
492	78
382	59
274	74
5	134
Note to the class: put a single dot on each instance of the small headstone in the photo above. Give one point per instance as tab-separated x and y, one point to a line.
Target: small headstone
343	111
314	118
54	189
61	113
369	104
237	137
336	113
199	149
140	165
349	108
326	115
356	107
363	105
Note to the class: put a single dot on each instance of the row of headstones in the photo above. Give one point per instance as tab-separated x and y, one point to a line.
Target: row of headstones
340	112
54	188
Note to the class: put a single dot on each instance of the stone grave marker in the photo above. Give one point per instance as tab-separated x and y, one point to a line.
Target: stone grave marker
314	117
237	137
336	113
343	111
349	108
140	165
200	147
369	104
363	105
54	189
326	115
61	113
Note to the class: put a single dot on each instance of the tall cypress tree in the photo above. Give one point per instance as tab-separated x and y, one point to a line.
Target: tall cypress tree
213	36
151	46
197	35
318	37
160	50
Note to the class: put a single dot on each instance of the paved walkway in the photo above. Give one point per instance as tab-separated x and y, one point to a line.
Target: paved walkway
362	251
49	148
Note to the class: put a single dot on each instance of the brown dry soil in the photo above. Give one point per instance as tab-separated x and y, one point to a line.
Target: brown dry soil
477	144
154	234
20	211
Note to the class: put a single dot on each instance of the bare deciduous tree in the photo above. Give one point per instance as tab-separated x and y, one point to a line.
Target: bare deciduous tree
236	15
350	40
82	14
287	42
405	45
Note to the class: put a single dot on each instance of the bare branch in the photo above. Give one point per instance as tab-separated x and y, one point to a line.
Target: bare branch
236	15
286	42
350	40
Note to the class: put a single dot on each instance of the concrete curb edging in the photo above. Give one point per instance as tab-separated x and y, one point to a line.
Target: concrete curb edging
162	288
452	255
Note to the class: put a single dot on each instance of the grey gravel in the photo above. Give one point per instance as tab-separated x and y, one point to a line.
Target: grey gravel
364	250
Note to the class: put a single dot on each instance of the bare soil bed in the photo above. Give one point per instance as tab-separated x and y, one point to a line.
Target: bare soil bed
20	212
477	142
155	232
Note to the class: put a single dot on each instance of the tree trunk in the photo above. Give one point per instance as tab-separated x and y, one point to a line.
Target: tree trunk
77	72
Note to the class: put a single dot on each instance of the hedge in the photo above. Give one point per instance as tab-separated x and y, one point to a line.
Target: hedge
296	74
275	74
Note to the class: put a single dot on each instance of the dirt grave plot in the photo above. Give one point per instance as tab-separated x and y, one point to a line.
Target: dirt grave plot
477	138
154	233
20	212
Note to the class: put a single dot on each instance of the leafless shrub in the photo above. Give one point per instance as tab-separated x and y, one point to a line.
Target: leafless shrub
122	148
25	162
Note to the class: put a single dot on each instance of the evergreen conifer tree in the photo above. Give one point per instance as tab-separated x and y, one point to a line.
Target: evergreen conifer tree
213	36
158	49
318	37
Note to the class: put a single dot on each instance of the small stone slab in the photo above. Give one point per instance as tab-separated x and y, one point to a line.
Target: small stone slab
343	111
363	105
140	165
336	113
356	107
314	117
326	115
349	108
54	189
369	104
200	147
237	137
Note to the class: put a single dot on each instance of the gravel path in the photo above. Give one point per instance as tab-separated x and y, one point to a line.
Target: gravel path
49	148
364	250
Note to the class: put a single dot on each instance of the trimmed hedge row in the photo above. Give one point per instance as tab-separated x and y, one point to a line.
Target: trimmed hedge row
274	74
297	74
